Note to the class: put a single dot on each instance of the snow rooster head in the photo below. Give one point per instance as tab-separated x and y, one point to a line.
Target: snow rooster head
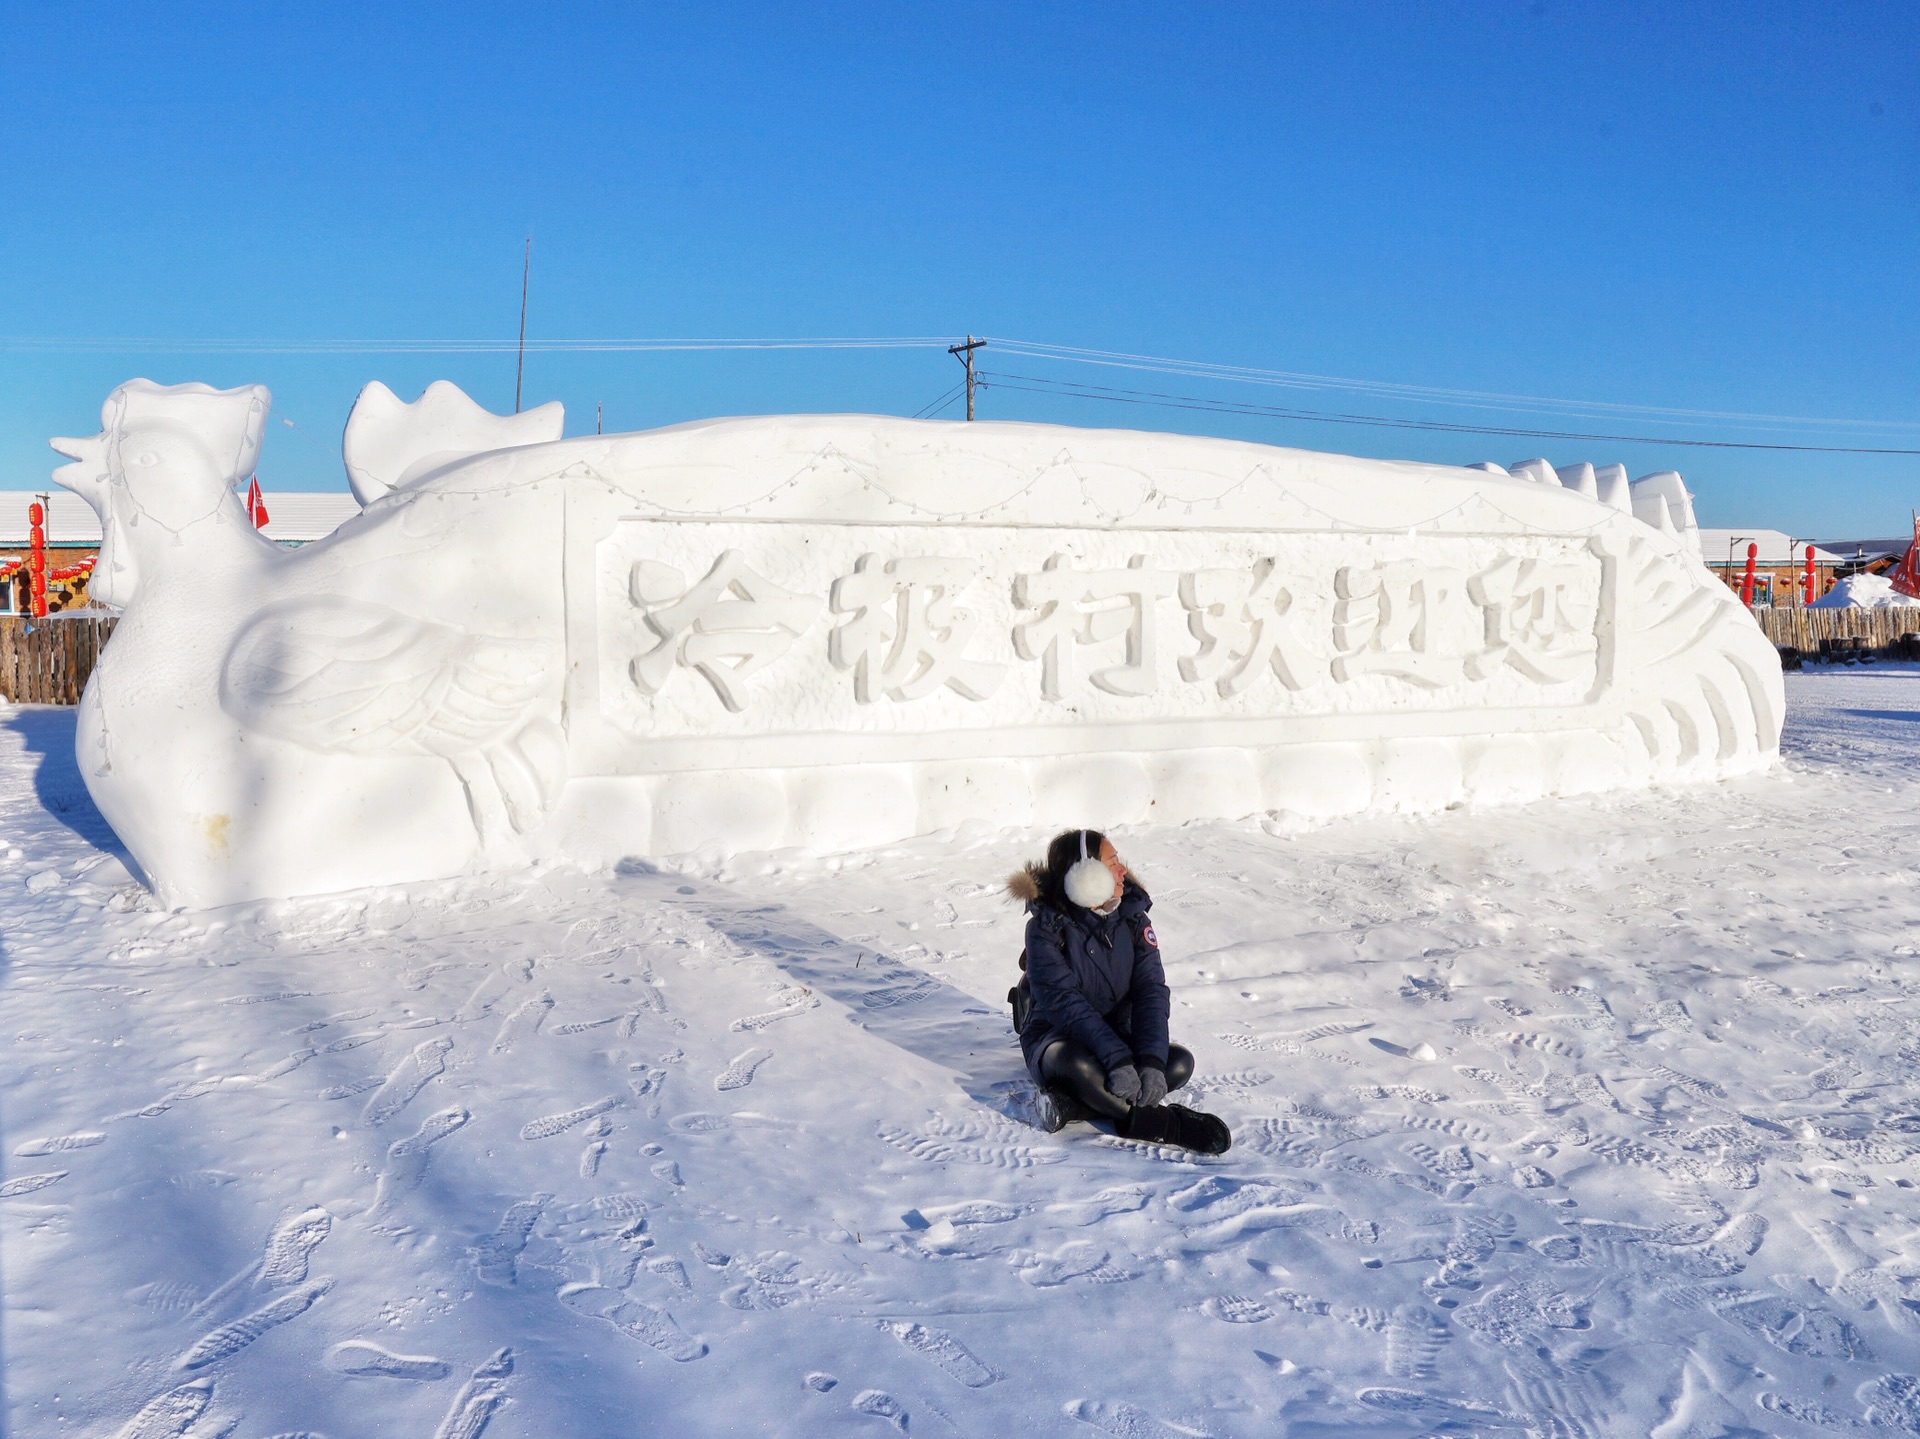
167	458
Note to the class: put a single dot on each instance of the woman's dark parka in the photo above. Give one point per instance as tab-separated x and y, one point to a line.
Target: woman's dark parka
1096	979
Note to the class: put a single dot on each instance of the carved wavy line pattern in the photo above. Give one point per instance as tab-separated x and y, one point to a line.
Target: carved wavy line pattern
1704	695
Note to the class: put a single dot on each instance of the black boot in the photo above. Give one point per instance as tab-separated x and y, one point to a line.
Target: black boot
1176	1124
1056	1109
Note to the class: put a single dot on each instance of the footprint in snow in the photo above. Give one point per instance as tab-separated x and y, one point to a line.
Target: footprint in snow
993	1143
1127	1421
28	1183
352	1087
1076	1259
739	1074
497	1254
881	1405
407	1158
524	1022
1236	1309
290	1247
475	1403
364	1359
651	1326
494	988
948	1353
169	1415
59	1144
675	1273
408	1078
229	1339
1451	1162
1121	1199
796	1002
552	1124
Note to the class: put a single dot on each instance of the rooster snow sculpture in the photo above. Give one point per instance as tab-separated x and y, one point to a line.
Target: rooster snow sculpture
829	631
278	722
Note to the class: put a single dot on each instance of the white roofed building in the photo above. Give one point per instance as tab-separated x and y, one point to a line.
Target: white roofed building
294	517
1780	564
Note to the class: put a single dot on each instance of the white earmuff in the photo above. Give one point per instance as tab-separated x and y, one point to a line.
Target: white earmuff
1089	883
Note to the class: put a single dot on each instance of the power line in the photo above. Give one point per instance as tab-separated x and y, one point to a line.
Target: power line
1484	399
1066	354
29	344
1040	386
936	406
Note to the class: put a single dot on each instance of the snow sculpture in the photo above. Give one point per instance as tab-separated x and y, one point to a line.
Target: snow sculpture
833	631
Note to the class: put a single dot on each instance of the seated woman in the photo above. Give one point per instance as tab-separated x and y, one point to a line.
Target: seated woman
1096	1037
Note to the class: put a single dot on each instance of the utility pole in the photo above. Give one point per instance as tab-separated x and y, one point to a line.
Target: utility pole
596	417
520	365
964	354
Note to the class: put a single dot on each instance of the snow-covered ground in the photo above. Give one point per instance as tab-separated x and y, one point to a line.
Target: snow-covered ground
1594	1117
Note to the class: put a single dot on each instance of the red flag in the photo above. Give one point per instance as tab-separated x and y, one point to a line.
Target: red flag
256	506
1906	574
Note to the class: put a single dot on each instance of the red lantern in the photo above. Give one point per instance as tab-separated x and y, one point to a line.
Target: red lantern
1746	584
37	557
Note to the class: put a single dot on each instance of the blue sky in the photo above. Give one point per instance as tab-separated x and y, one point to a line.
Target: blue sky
1687	207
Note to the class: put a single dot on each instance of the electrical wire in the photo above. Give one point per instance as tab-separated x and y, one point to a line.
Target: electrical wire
928	411
1483	399
26	344
1071	354
1073	389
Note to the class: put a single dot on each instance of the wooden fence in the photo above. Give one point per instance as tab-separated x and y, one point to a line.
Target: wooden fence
1803	629
47	661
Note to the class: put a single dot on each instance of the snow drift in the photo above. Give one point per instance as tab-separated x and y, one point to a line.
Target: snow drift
1863	592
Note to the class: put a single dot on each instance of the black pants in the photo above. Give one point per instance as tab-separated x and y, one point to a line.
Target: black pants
1076	1076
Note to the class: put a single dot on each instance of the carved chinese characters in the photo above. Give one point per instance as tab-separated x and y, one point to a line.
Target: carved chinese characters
1072	608
906	633
1093	633
1536	620
1405	619
1244	622
729	626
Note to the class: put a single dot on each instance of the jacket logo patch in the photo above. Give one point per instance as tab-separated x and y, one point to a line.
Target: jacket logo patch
1146	933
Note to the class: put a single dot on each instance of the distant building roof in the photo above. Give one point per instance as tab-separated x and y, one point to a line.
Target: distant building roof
70	519
293	516
1776	548
1868	549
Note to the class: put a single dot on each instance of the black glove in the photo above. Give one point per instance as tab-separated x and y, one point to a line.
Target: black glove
1124	1083
1153	1085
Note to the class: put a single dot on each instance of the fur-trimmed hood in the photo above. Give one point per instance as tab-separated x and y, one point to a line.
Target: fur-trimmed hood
1026	883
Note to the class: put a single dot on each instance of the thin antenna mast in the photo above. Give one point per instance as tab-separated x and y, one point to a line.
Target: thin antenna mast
520	364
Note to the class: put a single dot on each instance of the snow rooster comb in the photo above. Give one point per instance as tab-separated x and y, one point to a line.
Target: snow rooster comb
228	424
